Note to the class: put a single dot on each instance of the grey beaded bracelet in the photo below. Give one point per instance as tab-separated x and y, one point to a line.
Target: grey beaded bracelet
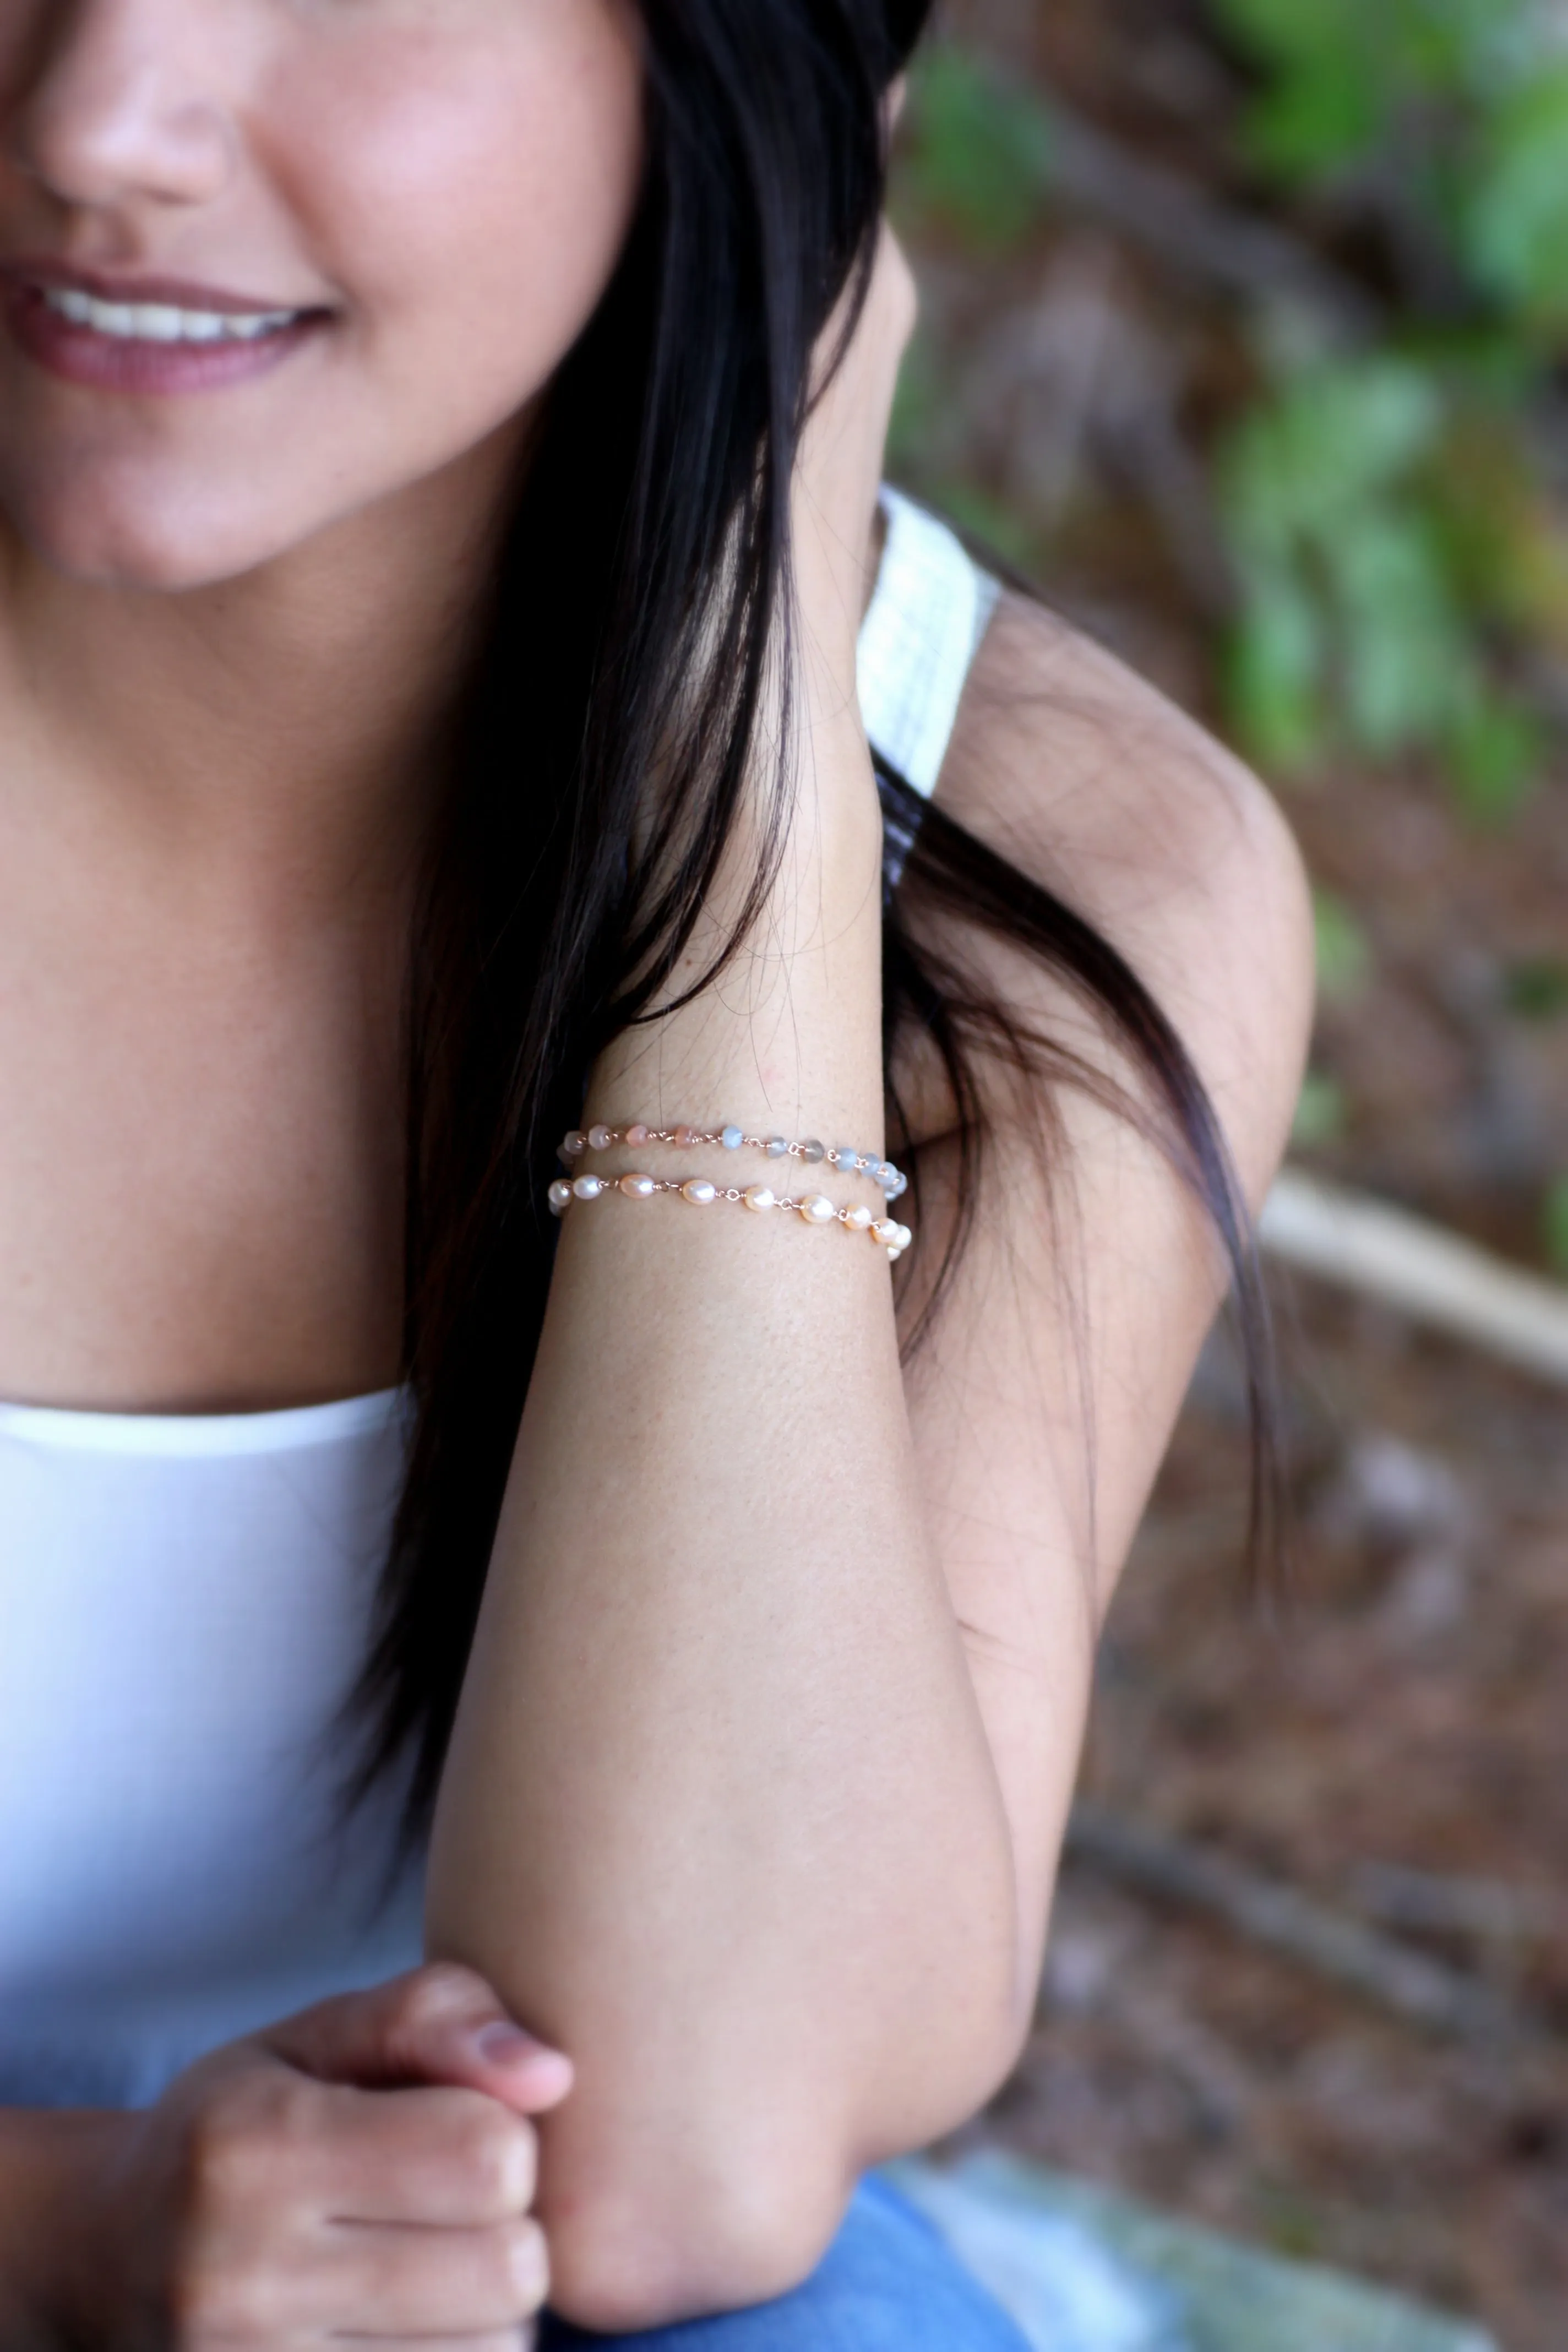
892	1181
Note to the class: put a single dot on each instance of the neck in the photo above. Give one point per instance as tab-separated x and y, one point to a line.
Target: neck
277	726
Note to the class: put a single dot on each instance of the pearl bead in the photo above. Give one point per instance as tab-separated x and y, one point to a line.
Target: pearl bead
572	1142
886	1231
732	1138
587	1188
560	1193
905	1237
811	1152
636	1132
776	1146
699	1191
857	1218
819	1210
599	1136
893	1255
758	1196
638	1188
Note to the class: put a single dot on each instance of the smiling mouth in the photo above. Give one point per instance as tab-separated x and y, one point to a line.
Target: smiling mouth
164	322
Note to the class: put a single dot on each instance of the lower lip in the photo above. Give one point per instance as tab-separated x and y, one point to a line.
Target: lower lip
130	364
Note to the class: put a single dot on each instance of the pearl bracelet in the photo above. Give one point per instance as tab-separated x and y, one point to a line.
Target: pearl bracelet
892	1181
816	1208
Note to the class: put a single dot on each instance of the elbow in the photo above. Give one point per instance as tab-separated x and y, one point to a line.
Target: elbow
663	2202
631	2255
709	2220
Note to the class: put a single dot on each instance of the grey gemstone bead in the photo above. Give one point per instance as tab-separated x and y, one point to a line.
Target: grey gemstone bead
844	1156
776	1146
811	1152
732	1137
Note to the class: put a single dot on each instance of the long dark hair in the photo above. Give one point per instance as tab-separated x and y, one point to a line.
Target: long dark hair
626	636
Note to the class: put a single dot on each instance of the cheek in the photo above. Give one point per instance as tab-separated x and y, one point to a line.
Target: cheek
470	202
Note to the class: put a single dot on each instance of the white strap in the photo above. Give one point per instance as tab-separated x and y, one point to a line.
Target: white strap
928	613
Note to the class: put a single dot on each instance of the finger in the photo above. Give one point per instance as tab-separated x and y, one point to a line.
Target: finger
422	2283
448	2159
442	2023
489	2339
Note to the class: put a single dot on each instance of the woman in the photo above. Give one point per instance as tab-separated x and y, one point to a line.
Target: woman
428	647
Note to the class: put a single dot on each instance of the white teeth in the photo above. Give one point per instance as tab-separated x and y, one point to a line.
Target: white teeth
157	322
162	322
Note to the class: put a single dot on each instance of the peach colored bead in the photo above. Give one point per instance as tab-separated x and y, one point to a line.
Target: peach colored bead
685	1137
599	1136
636	1132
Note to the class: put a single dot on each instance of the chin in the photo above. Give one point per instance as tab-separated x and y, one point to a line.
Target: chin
112	533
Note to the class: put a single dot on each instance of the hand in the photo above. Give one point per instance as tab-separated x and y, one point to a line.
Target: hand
838	471
364	2169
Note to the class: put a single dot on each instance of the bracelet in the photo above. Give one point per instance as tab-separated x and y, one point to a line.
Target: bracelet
892	1181
816	1208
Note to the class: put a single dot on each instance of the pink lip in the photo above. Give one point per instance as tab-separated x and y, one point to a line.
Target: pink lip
79	355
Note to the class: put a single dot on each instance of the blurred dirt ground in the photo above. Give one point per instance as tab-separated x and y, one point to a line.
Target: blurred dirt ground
1395	1742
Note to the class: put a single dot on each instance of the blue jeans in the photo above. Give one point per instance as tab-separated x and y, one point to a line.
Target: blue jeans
886	2284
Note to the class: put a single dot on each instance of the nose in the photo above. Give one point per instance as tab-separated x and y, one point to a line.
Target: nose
121	106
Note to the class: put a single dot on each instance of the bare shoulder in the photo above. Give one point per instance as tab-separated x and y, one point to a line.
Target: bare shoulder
1090	779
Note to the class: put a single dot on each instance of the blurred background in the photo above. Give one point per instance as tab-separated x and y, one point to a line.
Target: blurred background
1243	336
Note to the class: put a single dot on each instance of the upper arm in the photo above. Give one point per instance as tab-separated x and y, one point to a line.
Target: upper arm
1043	1398
1088	778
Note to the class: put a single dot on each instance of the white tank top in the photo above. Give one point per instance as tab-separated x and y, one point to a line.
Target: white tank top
184	1601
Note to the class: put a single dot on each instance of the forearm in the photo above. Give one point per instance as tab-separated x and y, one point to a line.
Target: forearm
45	2155
720	1816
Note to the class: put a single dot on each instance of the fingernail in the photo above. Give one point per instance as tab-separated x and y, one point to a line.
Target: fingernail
503	2045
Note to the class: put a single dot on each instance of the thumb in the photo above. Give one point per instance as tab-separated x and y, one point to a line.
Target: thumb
441	2024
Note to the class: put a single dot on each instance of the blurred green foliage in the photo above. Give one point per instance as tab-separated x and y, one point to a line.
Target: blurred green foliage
1555	1221
1344	951
982	150
1462	105
1391	508
1368	617
1321	1111
1393	497
1342	80
1536	988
